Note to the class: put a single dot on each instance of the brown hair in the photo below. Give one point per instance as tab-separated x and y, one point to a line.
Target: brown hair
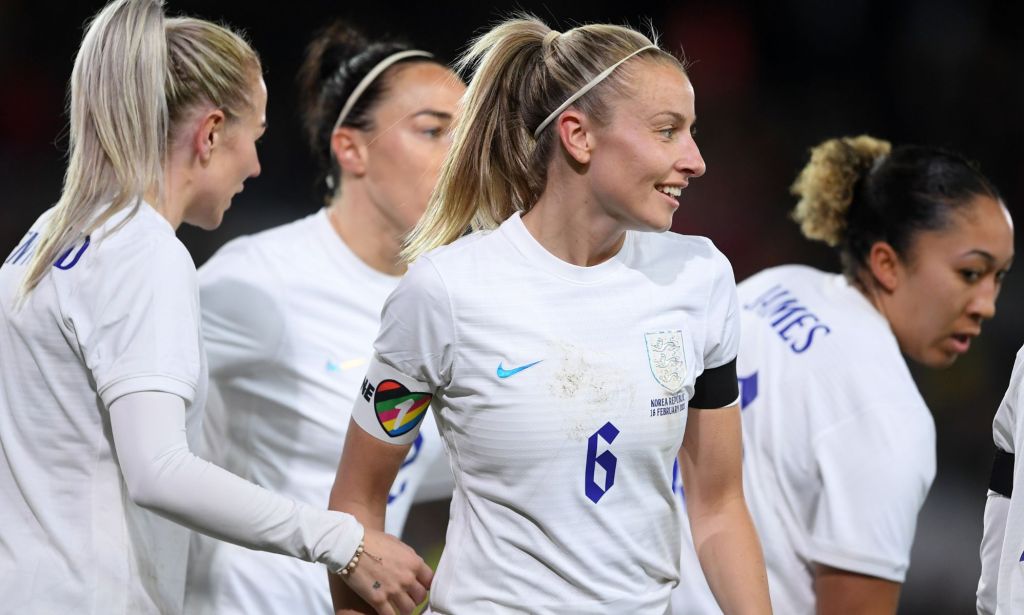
337	59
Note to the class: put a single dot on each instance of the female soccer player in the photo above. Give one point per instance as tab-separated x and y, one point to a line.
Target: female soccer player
1001	588
103	374
289	315
839	445
566	348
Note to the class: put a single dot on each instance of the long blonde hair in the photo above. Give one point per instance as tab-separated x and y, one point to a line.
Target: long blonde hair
523	71
135	76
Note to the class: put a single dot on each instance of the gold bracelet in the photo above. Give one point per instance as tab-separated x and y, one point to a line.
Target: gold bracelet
352	563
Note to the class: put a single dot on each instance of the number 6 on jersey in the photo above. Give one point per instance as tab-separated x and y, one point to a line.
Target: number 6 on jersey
606	460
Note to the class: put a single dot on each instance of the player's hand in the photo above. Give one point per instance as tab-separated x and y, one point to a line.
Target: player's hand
390	576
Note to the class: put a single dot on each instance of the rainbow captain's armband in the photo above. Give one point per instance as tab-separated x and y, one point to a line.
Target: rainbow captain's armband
390	405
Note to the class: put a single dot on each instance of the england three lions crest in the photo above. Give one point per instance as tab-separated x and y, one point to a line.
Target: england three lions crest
665	355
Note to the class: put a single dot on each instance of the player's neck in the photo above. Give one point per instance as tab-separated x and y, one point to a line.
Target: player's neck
870	291
365	230
169	203
572	227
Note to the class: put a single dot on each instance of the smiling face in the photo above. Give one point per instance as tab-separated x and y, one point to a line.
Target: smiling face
232	160
645	155
409	141
949	283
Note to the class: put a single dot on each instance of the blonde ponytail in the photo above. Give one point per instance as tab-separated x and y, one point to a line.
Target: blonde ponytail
522	71
135	75
118	125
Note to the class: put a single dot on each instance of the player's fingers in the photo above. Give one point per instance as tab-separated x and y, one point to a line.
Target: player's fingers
388	609
424	575
418	593
403	604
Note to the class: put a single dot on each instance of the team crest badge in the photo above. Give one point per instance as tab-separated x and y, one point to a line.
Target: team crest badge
665	355
398	409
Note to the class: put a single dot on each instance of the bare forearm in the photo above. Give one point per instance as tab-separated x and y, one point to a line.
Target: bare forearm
346	601
723	533
361	490
730	555
842	591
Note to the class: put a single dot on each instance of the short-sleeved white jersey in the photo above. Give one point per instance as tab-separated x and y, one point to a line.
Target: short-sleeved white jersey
117	314
561	393
1003	568
289	317
839	446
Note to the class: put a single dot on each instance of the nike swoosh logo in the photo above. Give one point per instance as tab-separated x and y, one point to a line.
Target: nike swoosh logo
505	373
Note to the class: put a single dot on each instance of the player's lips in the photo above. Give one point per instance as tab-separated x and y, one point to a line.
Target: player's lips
673	190
962	341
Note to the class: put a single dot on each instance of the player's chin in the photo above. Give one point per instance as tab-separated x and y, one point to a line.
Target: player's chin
209	222
662	224
656	222
939	358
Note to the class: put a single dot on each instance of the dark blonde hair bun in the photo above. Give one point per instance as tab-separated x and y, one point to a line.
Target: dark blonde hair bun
826	185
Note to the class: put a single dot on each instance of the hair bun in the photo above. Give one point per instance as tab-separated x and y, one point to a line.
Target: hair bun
826	185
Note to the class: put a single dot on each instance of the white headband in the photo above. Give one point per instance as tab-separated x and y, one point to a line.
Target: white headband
579	93
371	76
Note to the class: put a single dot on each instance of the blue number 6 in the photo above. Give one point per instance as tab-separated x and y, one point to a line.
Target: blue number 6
606	460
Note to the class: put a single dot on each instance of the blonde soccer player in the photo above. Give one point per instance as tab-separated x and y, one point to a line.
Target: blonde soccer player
572	348
103	373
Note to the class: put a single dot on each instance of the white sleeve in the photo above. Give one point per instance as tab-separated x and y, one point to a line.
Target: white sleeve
876	469
1004	424
137	321
243	321
996	509
999	510
412	357
723	333
163	475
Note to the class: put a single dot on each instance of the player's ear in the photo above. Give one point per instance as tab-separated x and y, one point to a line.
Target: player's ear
209	132
885	265
574	132
350	150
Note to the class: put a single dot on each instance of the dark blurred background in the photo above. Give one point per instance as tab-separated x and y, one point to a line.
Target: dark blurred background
772	79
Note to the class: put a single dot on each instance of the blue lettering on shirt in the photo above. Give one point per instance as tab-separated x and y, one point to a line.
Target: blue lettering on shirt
24	251
794	322
64	263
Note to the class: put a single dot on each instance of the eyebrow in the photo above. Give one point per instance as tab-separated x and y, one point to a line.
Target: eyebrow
982	253
985	255
441	115
676	116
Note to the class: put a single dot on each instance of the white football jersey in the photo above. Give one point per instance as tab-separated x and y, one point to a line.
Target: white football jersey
117	314
289	317
839	446
1003	563
561	393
